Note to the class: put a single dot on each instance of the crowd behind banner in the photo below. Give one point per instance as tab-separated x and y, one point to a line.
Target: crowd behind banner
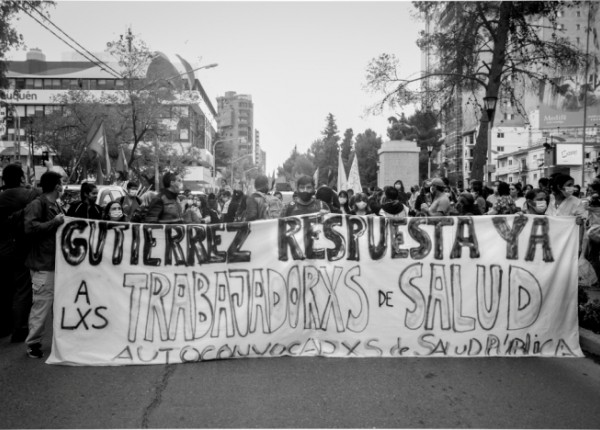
29	219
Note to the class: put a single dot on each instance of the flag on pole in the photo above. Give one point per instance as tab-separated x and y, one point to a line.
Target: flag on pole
121	165
354	177
99	145
342	180
316	177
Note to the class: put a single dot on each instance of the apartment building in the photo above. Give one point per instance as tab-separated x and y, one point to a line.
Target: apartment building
546	116
35	83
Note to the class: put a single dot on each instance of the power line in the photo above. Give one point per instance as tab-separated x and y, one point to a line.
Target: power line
112	72
70	38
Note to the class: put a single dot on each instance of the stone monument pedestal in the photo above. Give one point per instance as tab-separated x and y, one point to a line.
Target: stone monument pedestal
398	159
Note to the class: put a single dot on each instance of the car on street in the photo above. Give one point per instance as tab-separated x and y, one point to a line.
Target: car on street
106	194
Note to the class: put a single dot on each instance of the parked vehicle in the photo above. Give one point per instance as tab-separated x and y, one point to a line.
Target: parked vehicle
106	194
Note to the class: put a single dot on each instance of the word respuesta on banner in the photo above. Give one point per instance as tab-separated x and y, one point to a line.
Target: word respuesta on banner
333	285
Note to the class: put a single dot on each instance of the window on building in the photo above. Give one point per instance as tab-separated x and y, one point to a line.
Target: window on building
500	134
509	116
501	149
38	84
510	179
578	40
578	26
20	84
184	134
510	162
578	13
92	84
39	110
119	84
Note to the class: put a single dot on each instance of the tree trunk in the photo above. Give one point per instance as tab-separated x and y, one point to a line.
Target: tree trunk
480	156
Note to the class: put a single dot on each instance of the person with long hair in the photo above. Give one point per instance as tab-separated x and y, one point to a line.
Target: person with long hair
344	202
360	205
536	202
403	196
114	212
562	202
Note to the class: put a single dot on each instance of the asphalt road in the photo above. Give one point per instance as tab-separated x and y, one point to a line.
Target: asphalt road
302	392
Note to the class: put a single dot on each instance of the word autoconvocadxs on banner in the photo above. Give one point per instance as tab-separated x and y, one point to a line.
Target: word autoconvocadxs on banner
333	285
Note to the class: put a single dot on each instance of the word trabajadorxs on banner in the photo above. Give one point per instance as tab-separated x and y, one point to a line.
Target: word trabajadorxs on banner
334	285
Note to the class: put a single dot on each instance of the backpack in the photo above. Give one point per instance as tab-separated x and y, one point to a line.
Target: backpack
274	206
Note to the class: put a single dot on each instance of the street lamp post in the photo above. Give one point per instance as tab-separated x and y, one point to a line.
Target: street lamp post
235	161
429	151
489	103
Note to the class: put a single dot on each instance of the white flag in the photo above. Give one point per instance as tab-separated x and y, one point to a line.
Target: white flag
316	177
354	177
342	181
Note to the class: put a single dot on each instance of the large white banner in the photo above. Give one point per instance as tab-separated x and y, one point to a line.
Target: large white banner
335	286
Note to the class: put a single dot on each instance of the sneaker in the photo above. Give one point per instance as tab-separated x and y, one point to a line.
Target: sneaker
35	351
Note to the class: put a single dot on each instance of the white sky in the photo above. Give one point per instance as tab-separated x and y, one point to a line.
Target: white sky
298	60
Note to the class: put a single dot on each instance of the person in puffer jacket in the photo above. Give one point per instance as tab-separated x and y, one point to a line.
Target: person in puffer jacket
391	207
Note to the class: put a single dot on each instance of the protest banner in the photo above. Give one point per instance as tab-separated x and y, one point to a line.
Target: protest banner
333	285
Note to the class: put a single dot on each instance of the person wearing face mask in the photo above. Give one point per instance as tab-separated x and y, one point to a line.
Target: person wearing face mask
360	206
165	207
114	212
562	202
536	202
440	204
306	203
403	196
130	203
344	202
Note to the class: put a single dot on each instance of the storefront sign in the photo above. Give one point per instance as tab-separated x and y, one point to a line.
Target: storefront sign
568	154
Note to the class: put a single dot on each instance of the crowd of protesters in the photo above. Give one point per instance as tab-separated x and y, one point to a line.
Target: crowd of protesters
29	218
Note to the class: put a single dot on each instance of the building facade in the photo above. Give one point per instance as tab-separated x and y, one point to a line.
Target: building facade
35	83
548	115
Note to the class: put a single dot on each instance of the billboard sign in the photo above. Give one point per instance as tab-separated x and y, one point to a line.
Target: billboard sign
569	154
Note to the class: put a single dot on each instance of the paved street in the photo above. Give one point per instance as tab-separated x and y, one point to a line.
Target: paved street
302	392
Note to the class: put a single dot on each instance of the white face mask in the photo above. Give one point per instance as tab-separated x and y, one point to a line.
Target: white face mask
361	205
116	213
568	191
343	200
133	193
541	205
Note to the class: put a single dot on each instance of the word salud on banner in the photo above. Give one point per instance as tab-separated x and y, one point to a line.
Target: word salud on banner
332	285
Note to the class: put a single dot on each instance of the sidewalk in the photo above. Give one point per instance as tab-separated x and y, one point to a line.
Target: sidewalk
590	341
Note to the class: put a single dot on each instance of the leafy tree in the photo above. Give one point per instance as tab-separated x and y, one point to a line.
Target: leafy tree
325	152
10	38
494	48
346	148
366	147
426	133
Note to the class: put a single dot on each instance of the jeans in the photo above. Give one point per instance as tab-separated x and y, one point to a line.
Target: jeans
41	309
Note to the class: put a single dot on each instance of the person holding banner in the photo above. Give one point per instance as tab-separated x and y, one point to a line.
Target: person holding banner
306	203
536	202
43	216
114	212
441	203
165	207
86	207
562	202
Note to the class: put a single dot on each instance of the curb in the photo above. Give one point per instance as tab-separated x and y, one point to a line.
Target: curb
589	341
